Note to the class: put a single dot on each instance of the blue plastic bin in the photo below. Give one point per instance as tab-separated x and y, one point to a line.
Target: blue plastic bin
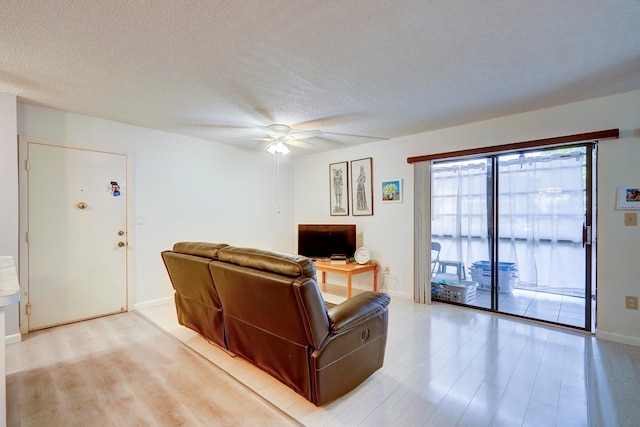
507	274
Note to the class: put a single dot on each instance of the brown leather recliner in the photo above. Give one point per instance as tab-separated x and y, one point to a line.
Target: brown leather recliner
273	315
197	303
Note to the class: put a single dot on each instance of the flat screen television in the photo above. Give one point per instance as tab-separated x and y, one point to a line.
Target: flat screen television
323	240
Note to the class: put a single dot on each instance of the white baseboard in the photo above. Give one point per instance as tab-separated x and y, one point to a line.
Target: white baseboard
622	339
402	295
11	339
152	303
14	338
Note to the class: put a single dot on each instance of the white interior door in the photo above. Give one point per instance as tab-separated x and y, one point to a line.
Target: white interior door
76	234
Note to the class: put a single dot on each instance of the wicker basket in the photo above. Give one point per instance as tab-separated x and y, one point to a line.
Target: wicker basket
464	293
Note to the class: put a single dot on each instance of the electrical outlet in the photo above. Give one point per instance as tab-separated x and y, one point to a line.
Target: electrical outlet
387	269
631	303
631	219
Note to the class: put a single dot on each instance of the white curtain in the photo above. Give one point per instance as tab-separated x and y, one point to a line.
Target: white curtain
541	204
422	233
459	224
542	213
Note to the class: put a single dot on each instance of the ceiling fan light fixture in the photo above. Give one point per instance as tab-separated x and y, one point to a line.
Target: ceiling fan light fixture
278	147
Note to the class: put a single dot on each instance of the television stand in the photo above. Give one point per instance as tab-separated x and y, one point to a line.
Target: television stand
348	270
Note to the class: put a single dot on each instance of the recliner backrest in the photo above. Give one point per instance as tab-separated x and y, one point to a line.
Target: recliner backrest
275	262
275	290
273	311
188	268
197	301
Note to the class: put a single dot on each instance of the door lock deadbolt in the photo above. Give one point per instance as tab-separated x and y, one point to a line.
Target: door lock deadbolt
120	233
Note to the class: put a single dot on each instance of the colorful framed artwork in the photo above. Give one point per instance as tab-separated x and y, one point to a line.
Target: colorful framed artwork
362	187
339	189
391	191
629	198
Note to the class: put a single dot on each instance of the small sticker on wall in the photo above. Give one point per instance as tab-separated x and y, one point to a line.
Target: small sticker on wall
115	188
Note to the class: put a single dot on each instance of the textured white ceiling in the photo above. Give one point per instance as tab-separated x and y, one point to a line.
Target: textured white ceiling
216	69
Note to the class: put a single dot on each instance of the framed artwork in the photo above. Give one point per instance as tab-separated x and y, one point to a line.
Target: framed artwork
339	189
391	191
362	187
629	198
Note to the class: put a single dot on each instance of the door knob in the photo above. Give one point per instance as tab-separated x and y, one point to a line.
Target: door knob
82	205
121	244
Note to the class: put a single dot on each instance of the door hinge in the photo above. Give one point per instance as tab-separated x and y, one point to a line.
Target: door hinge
26	237
28	308
27	165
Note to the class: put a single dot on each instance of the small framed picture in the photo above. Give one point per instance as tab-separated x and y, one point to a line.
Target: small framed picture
339	189
391	191
362	187
629	198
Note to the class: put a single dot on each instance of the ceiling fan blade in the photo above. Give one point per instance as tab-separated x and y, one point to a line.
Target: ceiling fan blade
302	144
302	134
326	143
269	132
379	138
265	138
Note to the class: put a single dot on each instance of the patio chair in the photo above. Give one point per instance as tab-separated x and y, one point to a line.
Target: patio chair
435	257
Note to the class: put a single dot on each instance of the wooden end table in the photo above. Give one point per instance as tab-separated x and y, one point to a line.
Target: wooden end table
348	270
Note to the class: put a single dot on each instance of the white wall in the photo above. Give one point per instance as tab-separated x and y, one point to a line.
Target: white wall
190	189
9	193
186	189
389	232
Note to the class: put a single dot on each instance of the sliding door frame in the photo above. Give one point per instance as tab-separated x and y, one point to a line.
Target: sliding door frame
587	140
588	233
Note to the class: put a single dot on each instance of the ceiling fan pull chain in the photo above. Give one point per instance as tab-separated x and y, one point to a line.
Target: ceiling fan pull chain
277	189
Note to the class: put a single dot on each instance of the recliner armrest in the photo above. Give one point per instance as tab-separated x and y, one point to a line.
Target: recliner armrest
357	310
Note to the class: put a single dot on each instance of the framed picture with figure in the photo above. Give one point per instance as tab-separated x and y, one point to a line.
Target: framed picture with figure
362	187
339	189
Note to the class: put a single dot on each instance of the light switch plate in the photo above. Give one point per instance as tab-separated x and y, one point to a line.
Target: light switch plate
631	219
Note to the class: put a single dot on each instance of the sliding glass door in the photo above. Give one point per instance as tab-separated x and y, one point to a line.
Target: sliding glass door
513	233
461	204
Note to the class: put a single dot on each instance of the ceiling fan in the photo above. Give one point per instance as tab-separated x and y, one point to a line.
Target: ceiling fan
280	136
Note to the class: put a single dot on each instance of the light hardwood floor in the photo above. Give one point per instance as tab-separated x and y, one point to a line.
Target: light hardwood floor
122	370
452	366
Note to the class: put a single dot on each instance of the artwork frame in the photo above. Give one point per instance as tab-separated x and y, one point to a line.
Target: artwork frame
362	187
339	189
391	191
629	198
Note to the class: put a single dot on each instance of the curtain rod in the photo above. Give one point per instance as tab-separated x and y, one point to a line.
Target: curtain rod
603	134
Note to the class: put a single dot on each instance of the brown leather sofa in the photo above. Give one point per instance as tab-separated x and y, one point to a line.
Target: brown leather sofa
266	307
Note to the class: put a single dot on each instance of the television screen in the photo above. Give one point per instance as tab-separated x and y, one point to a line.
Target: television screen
323	240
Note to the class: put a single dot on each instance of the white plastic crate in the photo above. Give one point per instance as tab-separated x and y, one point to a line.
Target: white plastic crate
464	293
507	273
